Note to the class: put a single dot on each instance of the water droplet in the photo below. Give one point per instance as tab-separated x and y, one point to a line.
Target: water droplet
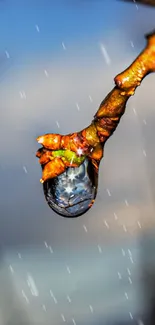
130	280
130	315
63	45
69	299
63	317
52	295
37	28
11	269
7	54
44	307
100	249
72	196
119	275
131	43
73	320
91	308
105	54
25	297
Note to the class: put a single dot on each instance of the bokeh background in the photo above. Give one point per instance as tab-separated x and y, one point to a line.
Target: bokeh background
57	63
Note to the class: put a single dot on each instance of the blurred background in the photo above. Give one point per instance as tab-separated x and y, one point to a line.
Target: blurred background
57	63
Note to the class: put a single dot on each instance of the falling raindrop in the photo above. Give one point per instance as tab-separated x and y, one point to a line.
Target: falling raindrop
19	255
63	45
144	153
25	170
73	320
51	250
63	317
123	252
119	275
52	295
25	297
108	192
100	249
90	98
46	73
77	105
106	224
46	245
91	308
69	299
85	228
32	286
131	43
139	225
37	28
68	270
115	216
11	269
105	54
57	123
130	280
135	112
44	308
7	54
124	227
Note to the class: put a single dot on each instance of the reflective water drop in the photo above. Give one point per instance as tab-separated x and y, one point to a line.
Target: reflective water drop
72	193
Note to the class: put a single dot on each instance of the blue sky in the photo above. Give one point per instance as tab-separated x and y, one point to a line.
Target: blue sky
76	23
58	21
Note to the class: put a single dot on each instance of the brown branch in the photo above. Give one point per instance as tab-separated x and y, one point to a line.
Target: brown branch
69	150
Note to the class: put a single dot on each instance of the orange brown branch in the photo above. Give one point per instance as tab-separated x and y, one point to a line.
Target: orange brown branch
90	141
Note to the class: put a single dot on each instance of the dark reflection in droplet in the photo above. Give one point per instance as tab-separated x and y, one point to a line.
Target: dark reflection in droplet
72	193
